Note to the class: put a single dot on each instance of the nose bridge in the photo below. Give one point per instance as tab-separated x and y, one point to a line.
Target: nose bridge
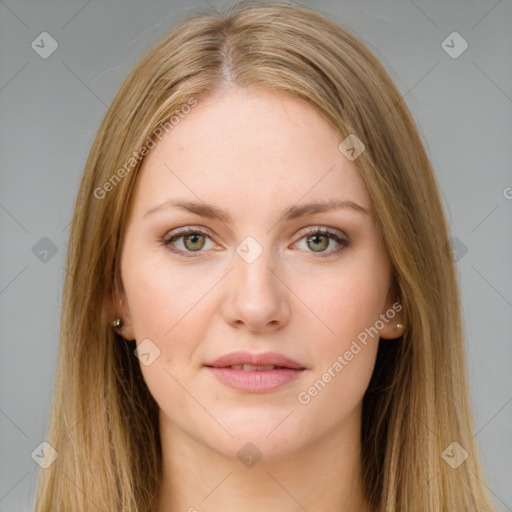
257	298
252	264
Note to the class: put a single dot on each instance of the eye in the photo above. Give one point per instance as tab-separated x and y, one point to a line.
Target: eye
193	241
318	240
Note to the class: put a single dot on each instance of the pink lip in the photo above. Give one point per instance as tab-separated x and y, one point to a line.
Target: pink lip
264	359
255	381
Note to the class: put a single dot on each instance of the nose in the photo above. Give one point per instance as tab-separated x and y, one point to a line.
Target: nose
256	296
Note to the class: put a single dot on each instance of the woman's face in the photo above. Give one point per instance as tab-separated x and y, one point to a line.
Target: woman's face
254	278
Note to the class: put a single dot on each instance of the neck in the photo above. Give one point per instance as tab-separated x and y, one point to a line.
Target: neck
321	476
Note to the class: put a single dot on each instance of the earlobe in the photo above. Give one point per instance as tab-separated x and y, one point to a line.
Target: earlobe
394	325
392	330
117	315
123	322
122	326
123	331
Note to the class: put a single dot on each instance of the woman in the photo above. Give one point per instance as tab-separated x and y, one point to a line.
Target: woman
258	311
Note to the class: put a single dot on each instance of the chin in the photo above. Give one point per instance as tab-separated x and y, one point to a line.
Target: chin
268	437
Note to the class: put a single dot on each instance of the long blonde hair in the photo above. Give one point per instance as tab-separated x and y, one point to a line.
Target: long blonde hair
104	421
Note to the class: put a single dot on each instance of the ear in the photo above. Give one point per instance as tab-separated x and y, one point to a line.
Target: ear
392	317
115	306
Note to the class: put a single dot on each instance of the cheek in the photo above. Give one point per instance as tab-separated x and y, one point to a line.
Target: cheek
165	307
160	295
345	353
348	300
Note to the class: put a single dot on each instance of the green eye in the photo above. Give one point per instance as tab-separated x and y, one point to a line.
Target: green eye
193	241
318	241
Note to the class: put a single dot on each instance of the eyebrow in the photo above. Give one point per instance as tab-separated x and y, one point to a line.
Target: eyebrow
292	212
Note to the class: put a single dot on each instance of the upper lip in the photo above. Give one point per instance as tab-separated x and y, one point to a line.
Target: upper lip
264	359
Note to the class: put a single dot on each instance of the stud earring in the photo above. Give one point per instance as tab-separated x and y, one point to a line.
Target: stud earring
399	326
116	323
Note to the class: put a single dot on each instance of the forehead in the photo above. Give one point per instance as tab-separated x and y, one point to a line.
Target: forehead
250	149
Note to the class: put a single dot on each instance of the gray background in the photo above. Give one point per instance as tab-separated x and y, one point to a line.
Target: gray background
50	109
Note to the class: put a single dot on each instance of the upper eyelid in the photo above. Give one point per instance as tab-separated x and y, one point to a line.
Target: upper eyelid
179	232
323	229
201	229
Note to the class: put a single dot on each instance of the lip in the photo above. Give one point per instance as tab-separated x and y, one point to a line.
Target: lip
255	381
263	359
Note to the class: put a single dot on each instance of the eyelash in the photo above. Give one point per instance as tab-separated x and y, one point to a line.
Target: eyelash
176	235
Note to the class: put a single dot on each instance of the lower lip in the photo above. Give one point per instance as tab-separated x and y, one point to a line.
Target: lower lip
255	381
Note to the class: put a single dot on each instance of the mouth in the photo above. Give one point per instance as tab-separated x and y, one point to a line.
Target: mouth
255	373
251	367
247	361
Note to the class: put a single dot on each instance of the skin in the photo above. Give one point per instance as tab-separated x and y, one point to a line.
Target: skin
255	153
